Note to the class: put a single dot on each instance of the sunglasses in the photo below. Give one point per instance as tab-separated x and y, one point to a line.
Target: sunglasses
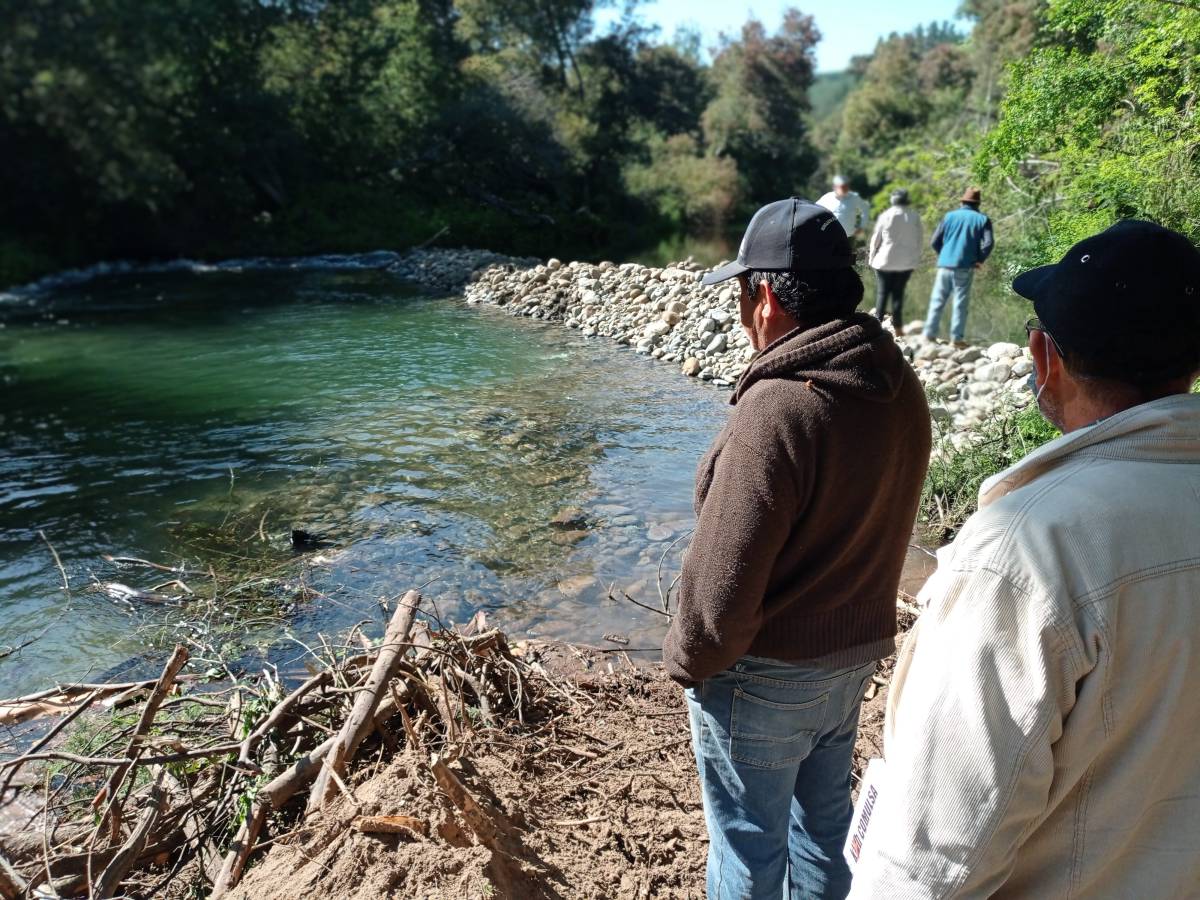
1035	324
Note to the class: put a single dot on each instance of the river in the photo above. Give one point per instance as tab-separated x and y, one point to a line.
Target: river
198	416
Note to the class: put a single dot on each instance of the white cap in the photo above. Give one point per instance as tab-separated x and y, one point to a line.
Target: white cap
840	181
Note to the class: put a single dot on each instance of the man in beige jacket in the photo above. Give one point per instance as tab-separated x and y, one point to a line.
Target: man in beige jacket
1042	729
894	251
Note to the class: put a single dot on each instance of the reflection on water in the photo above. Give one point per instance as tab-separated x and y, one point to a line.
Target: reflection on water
437	443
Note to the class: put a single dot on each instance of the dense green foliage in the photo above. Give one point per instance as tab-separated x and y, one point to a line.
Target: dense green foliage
1070	114
238	126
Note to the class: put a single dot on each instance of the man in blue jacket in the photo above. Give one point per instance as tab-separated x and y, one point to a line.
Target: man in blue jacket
962	242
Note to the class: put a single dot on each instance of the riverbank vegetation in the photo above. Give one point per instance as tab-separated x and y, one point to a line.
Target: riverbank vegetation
133	129
962	461
184	128
1070	113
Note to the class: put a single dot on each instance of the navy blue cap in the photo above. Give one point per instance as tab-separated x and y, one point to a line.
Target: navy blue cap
1130	295
791	235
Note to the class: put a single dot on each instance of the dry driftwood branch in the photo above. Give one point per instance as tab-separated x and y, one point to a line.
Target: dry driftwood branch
161	688
405	825
12	885
134	561
271	797
281	710
114	873
61	699
47	738
274	796
362	715
125	761
57	561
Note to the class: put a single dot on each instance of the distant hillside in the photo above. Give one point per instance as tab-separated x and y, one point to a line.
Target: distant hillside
829	92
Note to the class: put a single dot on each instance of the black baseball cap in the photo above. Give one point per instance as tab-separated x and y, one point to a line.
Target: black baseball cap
789	235
1129	296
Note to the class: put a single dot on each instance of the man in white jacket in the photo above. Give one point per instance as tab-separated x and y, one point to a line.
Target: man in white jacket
1042	728
852	211
894	251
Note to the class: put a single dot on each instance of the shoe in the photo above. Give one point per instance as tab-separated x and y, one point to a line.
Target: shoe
899	331
961	345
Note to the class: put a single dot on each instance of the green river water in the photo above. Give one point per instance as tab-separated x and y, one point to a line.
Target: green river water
433	441
199	415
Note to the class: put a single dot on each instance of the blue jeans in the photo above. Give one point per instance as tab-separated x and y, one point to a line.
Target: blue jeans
958	282
774	744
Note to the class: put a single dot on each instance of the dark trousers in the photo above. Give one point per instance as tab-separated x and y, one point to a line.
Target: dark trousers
891	284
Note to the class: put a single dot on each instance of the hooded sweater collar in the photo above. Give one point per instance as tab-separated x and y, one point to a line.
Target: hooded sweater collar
853	354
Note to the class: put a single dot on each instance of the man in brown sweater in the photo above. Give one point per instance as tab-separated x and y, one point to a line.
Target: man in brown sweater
805	504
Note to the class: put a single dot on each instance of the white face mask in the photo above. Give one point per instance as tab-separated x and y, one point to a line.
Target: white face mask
1033	385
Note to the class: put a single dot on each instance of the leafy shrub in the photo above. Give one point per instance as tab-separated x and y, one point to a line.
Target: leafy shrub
960	464
685	186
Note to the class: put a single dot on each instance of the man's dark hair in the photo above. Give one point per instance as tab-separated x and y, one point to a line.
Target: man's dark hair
816	296
1107	376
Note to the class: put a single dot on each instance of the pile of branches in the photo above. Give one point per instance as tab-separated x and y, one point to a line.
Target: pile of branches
188	790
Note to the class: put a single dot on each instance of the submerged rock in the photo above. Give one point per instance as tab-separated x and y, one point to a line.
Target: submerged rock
569	517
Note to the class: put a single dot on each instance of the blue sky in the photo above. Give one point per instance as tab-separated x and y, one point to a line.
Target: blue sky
849	27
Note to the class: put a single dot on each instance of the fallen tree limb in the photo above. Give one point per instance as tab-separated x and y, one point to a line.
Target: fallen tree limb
494	832
46	739
282	709
405	825
58	700
161	688
271	797
122	761
362	715
12	885
110	879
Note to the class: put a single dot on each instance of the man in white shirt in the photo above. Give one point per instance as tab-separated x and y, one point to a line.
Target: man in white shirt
1042	720
852	211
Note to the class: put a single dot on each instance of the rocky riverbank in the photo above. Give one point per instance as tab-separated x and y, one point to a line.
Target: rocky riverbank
447	270
669	315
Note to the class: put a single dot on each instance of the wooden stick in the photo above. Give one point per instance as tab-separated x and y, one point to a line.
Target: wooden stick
58	699
272	797
12	885
134	561
110	879
404	825
161	688
57	561
180	756
48	737
493	831
362	715
281	709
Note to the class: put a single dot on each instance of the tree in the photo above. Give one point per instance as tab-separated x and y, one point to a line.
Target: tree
757	117
1100	123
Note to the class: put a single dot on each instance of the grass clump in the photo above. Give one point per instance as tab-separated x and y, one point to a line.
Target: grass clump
961	462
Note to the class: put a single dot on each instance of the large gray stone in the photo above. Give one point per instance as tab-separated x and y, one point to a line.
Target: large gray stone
656	329
1021	368
997	371
1003	350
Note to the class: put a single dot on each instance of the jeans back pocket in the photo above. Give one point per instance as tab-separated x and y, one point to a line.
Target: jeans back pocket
769	734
